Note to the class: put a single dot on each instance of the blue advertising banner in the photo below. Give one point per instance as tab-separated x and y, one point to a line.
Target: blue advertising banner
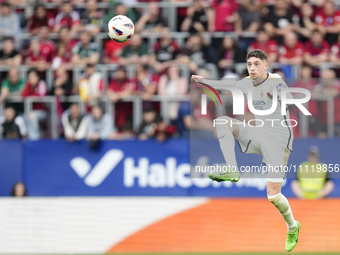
11	166
145	168
137	168
129	168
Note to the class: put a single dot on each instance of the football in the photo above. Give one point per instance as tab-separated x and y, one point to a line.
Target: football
120	28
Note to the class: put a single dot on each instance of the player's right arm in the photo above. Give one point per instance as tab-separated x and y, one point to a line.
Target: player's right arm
216	84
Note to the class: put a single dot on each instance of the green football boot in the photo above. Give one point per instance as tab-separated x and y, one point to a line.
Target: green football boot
292	238
227	175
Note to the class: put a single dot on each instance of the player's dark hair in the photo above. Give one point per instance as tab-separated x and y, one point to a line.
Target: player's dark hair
257	54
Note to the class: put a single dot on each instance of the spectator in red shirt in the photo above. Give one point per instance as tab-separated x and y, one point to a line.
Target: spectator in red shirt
38	88
164	51
328	22
307	82
264	43
62	58
34	57
316	50
120	87
68	17
335	52
40	18
292	50
330	87
225	15
41	52
113	51
66	38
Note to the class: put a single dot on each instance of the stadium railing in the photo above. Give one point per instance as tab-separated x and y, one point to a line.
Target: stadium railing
109	107
137	102
138	109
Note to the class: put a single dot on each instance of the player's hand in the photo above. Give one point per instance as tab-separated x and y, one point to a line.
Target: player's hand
197	78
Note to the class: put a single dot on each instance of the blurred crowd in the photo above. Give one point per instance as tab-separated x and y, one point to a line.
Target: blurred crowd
64	35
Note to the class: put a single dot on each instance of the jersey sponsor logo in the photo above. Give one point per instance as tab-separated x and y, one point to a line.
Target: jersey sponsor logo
259	102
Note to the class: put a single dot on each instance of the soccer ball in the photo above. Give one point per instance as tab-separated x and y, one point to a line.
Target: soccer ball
120	29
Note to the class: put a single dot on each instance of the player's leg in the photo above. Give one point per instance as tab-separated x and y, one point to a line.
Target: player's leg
227	130
276	156
281	203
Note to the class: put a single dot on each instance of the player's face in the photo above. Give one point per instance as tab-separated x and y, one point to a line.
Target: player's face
257	68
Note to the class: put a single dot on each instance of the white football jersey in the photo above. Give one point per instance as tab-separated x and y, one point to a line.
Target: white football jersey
279	130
